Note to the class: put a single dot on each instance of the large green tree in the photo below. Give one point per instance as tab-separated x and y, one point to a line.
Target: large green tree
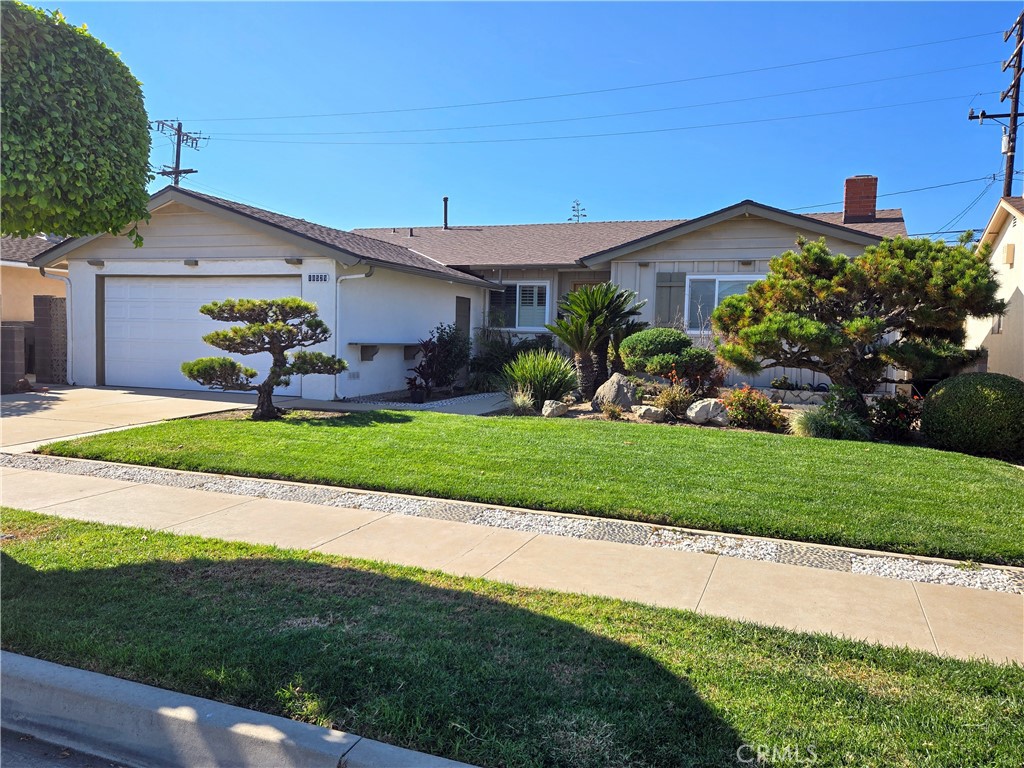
273	326
75	131
902	302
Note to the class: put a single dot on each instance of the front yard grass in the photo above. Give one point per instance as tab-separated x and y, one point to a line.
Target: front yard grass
491	674
870	495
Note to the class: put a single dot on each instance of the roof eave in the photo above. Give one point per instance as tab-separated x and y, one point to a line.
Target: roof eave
1000	215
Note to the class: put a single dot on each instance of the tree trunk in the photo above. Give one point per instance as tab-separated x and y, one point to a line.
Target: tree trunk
601	363
585	374
265	409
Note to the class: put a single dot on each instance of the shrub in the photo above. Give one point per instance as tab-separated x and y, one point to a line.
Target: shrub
675	399
894	418
545	373
663	365
751	409
977	413
611	411
444	353
783	382
496	349
830	424
839	418
522	402
637	349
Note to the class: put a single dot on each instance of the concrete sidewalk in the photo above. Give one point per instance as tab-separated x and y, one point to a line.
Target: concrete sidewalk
947	620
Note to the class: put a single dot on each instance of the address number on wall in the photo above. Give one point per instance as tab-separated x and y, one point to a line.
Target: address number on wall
318	278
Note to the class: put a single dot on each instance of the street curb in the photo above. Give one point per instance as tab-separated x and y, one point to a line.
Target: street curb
145	726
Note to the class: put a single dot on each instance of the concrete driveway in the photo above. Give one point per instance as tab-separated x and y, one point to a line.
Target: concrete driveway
32	418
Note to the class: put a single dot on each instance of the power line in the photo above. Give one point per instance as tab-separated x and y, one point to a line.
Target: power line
601	135
992	177
600	90
970	206
613	114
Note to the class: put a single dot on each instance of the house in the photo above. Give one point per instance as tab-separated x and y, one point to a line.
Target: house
1003	337
20	280
135	311
32	315
683	268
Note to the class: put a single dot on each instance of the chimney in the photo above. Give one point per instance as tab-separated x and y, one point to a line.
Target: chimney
446	213
859	199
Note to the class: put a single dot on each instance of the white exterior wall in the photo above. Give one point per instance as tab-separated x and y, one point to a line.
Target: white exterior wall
1006	348
389	305
742	247
391	310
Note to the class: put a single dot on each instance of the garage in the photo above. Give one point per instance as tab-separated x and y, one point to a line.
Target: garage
151	325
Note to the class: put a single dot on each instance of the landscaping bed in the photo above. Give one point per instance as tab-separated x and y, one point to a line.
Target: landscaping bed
490	674
870	495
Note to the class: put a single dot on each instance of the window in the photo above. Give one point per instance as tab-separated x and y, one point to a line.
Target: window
519	305
706	293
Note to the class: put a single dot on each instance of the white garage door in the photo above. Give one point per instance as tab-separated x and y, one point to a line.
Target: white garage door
152	325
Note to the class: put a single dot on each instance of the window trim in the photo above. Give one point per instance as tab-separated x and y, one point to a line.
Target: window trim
717	277
547	305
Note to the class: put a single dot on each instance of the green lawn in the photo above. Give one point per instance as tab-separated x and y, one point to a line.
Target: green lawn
871	495
482	672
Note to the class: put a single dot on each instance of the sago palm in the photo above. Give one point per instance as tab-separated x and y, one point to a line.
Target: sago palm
581	338
606	308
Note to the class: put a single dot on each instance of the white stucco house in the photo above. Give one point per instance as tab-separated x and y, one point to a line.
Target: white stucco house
1003	337
134	312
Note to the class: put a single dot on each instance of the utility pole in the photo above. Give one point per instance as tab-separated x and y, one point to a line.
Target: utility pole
180	137
1013	93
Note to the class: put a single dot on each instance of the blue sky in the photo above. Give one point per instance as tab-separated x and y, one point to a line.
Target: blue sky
204	62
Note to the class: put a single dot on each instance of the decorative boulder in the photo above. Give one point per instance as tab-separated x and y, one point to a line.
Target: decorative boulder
617	390
649	413
554	408
708	409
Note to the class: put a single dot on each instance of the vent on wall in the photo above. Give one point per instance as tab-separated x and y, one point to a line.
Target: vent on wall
353	375
1008	253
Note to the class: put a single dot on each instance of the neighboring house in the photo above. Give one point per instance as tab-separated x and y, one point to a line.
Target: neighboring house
1003	337
135	311
683	268
20	280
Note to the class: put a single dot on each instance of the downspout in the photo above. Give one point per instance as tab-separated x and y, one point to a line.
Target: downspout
67	312
337	316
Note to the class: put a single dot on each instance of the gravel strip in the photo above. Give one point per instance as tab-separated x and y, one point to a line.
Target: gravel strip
809	555
748	549
973	576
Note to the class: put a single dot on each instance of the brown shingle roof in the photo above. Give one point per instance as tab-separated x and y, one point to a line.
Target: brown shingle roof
888	222
373	250
565	244
23	250
1015	202
520	244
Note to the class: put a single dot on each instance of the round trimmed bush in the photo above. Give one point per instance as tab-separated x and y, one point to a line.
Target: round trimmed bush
637	349
976	413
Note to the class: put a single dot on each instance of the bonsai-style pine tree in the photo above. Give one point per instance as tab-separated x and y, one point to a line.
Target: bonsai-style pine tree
902	302
275	326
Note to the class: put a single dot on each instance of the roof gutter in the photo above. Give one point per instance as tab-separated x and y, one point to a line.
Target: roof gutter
67	311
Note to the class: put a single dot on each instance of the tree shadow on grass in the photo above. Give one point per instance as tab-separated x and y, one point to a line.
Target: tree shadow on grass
350	419
422	666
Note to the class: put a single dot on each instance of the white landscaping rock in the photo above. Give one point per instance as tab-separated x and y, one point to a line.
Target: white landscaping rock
708	409
649	413
553	409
